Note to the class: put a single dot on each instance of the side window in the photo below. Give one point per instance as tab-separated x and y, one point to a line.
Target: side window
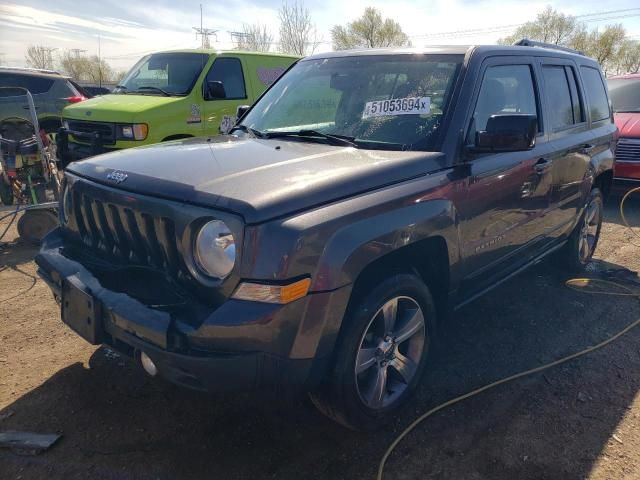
578	109
596	94
558	93
505	89
33	83
228	71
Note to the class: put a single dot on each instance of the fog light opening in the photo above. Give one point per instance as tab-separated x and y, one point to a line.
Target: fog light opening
148	364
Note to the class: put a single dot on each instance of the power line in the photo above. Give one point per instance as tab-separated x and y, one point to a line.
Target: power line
502	28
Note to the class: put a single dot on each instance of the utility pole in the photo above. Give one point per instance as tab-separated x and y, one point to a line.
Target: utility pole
50	51
204	33
239	39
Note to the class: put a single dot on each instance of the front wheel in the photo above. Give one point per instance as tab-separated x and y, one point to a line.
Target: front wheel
583	240
380	355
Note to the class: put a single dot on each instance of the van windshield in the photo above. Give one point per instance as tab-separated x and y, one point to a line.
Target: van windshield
625	94
165	74
391	102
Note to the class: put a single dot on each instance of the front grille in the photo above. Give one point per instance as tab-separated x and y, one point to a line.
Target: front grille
628	150
106	131
133	236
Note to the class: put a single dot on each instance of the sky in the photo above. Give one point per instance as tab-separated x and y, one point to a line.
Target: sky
124	31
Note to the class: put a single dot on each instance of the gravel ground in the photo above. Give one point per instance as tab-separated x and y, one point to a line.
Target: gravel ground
576	421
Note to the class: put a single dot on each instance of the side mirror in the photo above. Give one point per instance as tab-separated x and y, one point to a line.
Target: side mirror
215	90
241	110
507	133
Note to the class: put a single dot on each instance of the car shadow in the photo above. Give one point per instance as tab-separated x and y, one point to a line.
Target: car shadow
120	423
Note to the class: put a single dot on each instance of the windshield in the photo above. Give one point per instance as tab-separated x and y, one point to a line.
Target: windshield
164	74
383	101
625	94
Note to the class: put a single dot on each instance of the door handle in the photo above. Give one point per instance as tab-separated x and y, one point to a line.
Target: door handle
586	148
542	165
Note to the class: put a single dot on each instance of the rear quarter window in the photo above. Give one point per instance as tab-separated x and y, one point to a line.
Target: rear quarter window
596	94
34	84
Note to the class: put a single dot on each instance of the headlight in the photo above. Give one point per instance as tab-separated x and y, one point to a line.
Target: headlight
215	249
136	131
65	207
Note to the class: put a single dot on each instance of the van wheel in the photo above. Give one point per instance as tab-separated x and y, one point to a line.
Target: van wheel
380	355
583	240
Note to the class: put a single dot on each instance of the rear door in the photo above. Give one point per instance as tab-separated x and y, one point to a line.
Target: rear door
570	139
507	193
220	113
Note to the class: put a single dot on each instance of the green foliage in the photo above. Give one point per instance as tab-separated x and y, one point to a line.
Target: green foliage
88	69
369	31
608	46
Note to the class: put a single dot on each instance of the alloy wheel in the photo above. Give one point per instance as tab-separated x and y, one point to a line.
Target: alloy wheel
390	352
589	230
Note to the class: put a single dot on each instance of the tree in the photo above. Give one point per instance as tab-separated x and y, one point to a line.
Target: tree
550	26
297	32
39	56
255	38
369	31
73	65
89	69
628	58
604	46
608	46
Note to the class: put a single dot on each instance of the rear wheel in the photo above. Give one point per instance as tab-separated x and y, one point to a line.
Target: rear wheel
583	240
380	355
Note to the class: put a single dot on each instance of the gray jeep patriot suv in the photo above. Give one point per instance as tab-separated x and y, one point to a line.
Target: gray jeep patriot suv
321	243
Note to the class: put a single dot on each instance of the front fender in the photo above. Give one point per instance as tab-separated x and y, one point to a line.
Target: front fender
356	245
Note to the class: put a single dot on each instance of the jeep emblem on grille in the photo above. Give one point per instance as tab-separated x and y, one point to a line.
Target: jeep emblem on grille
117	176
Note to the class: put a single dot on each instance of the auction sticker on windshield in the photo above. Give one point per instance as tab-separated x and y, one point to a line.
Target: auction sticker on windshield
398	106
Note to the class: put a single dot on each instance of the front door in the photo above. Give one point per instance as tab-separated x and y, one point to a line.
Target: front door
507	193
220	113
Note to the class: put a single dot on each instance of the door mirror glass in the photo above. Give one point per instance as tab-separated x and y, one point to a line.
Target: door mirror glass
241	110
215	90
507	133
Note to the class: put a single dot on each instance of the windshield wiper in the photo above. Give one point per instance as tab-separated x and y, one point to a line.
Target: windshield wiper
155	89
333	139
245	129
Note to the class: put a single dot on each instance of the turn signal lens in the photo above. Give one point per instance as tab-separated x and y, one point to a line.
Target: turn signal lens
257	292
140	131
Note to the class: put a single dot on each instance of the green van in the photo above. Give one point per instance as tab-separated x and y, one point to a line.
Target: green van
166	96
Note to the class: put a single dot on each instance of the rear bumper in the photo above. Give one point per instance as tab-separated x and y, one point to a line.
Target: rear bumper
297	337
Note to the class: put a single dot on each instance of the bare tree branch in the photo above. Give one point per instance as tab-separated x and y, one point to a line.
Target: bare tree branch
297	32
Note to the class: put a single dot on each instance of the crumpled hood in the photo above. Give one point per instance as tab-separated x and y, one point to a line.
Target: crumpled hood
116	107
258	179
628	124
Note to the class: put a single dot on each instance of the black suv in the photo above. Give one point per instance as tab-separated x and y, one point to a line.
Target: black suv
323	241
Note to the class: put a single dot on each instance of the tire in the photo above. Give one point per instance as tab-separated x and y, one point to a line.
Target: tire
33	225
356	400
583	240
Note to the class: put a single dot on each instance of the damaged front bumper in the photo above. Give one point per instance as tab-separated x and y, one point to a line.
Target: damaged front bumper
239	345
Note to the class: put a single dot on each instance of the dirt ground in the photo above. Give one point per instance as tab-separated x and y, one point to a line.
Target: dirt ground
577	421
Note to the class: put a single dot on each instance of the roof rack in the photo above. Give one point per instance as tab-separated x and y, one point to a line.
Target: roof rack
525	42
29	69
